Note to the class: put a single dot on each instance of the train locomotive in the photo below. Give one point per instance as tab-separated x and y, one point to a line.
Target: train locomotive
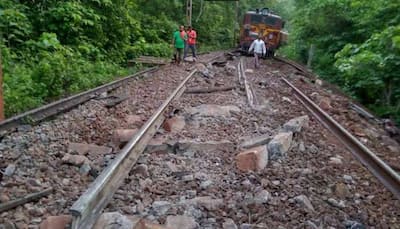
262	23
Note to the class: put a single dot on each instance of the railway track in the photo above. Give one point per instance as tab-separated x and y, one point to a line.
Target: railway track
196	175
382	171
63	105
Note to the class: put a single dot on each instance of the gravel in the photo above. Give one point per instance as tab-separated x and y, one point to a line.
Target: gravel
307	187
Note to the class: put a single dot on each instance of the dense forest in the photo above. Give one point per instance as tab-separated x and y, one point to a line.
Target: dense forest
51	49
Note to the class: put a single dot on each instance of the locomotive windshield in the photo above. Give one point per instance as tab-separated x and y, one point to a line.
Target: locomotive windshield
256	19
263	19
272	21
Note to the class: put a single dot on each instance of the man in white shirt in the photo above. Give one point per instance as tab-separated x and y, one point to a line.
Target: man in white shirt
259	50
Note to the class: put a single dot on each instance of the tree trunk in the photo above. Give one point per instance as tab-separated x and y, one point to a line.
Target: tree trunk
1	92
310	55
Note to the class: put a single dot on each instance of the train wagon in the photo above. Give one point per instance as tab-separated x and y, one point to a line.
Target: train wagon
262	23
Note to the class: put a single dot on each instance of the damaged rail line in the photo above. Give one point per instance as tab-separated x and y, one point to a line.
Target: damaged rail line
49	110
90	205
383	172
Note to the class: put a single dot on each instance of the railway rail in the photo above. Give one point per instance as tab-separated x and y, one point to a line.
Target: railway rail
382	171
89	206
86	210
41	113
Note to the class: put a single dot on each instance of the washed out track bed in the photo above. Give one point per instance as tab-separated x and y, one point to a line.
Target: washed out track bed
31	156
318	184
190	168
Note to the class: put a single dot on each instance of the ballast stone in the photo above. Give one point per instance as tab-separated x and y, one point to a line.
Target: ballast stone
76	160
85	149
251	142
296	124
174	124
111	219
212	110
305	202
124	135
254	159
56	222
279	145
181	222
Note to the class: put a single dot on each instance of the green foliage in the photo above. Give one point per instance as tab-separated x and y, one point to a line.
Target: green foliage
356	47
54	48
371	70
14	26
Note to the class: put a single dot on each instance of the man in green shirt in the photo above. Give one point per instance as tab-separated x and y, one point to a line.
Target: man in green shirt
178	42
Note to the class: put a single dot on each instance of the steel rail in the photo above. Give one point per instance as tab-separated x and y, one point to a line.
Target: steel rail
251	98
46	111
88	207
383	172
297	66
356	107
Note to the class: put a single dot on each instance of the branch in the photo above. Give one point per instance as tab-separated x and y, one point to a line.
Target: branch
208	90
28	198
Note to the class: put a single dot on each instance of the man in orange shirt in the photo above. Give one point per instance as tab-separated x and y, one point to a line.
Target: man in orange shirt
191	42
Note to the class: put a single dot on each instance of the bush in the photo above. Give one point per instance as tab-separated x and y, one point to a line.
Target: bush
51	71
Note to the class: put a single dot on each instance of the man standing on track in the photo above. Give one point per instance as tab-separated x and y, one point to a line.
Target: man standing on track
178	42
259	50
191	43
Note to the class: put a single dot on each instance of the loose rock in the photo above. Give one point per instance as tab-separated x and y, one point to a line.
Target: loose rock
335	161
134	120
279	145
348	178
161	207
206	184
141	170
251	142
85	169
229	224
85	149
335	203
76	160
174	124
254	159
342	191
205	201
9	171
123	135
181	222
213	110
262	197
305	202
113	219
296	124
56	222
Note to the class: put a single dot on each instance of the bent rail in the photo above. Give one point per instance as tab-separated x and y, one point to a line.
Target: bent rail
88	207
383	172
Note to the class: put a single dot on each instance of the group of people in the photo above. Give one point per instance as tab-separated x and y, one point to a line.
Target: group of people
182	41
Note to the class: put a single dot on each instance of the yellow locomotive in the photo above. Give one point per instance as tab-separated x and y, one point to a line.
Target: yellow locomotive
265	24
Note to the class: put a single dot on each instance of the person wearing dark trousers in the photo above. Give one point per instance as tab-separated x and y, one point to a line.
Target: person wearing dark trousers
258	46
191	43
178	42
